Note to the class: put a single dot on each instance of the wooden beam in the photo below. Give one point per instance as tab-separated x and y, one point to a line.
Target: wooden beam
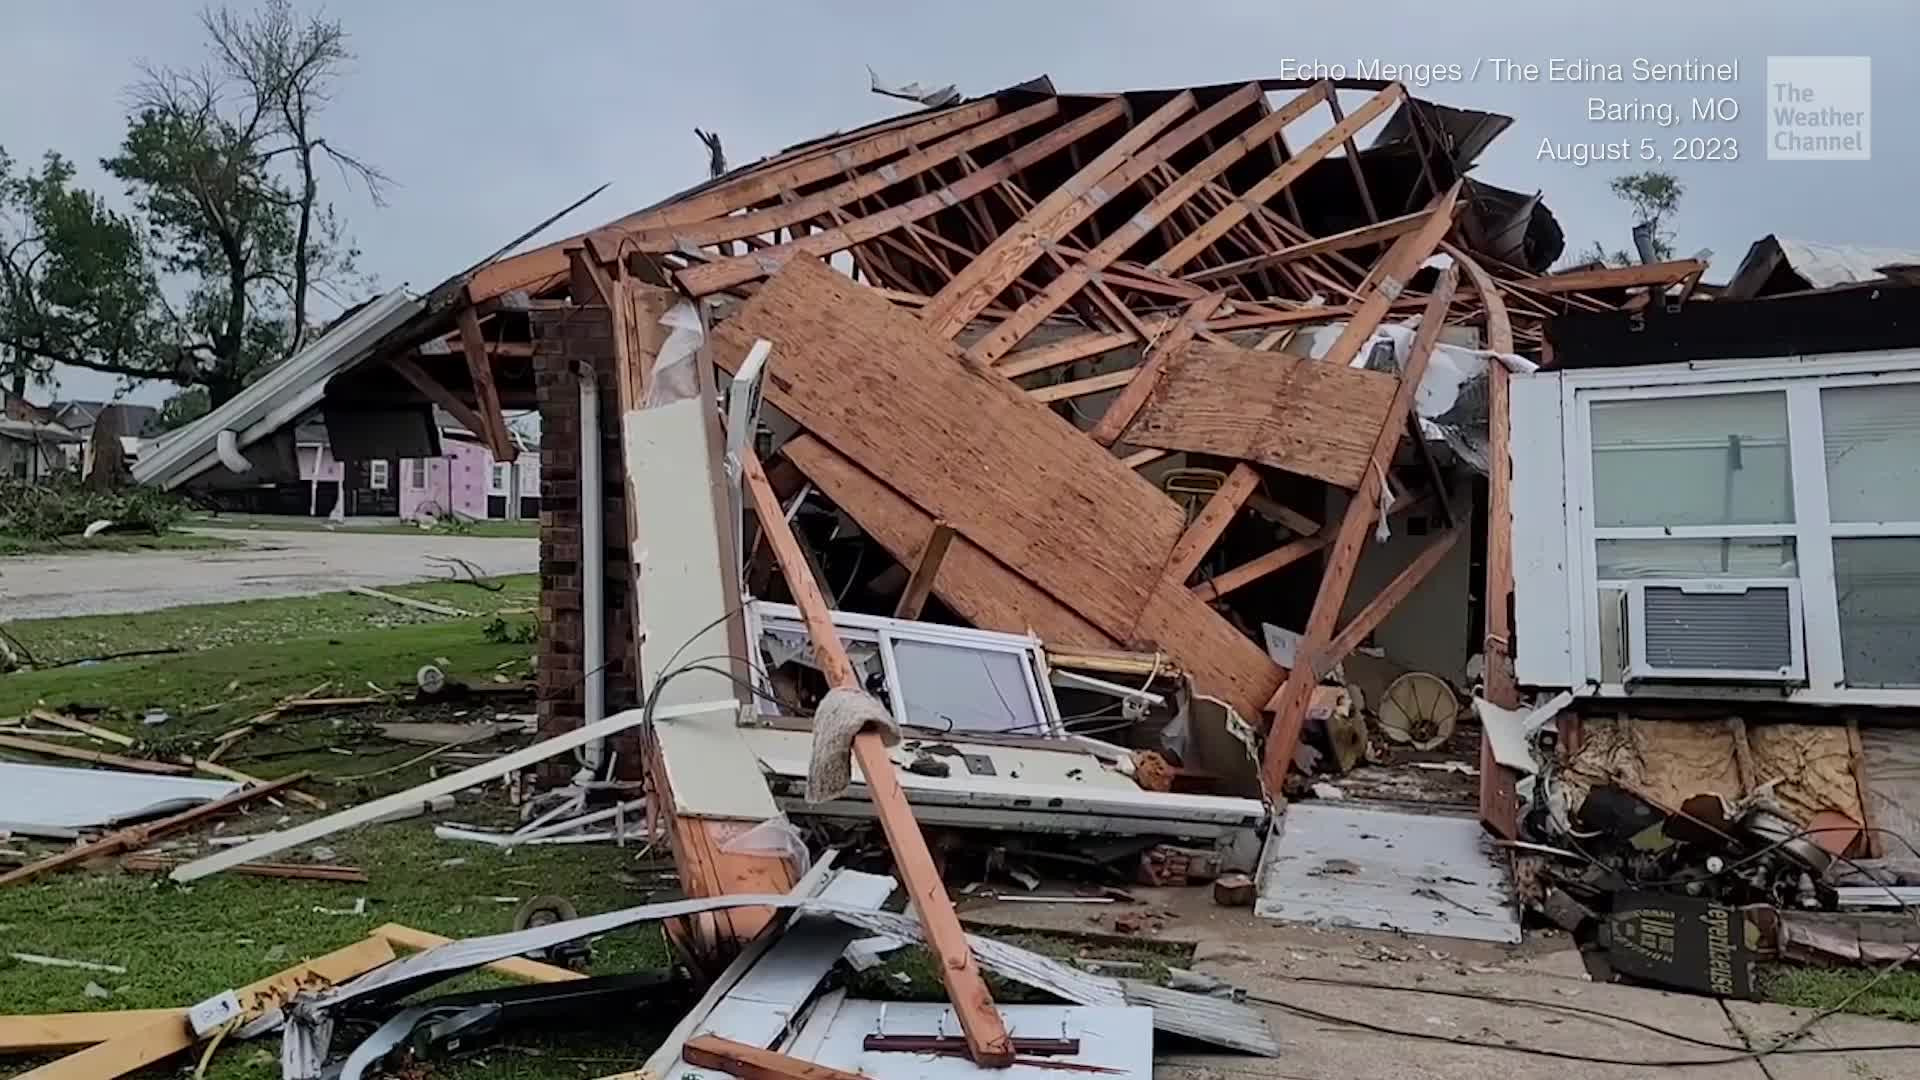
978	283
857	186
1499	785
1614	277
170	1035
1146	377
758	1063
1289	703
986	1031
757	184
436	391
493	420
518	967
1363	236
1092	384
1390	278
1256	568
1353	158
1276	181
94	757
1212	520
1067	350
205	765
1281	514
1367	618
137	836
721	274
925	569
66	1031
1001	340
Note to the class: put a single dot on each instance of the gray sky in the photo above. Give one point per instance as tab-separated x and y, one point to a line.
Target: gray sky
491	115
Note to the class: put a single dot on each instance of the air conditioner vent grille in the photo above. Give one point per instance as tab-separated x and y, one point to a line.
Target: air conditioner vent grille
1719	631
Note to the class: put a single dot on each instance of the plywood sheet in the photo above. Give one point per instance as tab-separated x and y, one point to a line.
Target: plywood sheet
1665	762
1892	770
959	441
1304	416
1813	764
1223	662
970	581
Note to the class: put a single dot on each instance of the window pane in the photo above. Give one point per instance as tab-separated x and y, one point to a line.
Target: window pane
951	687
1879	585
1873	451
1616	559
1713	460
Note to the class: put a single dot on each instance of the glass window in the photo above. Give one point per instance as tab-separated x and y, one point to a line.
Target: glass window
1878	580
377	475
1692	558
1873	451
417	473
1717	459
497	480
952	687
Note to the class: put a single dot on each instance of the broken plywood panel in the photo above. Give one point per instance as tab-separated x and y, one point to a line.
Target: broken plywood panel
970	581
1222	661
1378	869
1813	767
1892	771
958	440
1304	416
1665	762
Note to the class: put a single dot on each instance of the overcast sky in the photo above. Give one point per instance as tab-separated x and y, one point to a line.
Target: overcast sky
491	115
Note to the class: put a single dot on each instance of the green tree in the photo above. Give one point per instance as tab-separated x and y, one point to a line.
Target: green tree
1655	199
212	279
184	408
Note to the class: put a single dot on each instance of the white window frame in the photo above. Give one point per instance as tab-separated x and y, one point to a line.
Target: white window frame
1813	531
496	485
417	469
378	474
764	615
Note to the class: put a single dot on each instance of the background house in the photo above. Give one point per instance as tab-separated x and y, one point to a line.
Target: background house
463	480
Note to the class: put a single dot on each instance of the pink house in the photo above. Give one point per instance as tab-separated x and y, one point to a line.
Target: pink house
464	481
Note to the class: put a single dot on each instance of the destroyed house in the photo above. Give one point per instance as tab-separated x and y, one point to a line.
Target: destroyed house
1112	427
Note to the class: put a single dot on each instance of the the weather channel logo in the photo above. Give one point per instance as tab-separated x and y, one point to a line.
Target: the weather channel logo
1818	108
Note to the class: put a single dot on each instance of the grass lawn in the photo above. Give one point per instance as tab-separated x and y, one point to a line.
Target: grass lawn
1896	997
79	545
489	528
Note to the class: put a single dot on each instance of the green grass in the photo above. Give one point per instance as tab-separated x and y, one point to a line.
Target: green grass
1897	997
110	542
183	944
484	529
216	626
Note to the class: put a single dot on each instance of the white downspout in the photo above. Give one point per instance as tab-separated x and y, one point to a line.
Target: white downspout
593	569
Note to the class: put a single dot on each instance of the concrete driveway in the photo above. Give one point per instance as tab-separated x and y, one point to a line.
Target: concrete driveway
269	564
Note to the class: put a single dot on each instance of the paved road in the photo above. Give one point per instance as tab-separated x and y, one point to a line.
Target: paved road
271	564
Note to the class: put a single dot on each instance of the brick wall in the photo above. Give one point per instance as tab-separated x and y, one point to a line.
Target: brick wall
566	342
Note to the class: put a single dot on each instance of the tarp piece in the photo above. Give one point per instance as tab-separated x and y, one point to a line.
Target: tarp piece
48	800
1377	869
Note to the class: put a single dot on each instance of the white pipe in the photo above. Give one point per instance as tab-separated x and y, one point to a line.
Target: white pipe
593	569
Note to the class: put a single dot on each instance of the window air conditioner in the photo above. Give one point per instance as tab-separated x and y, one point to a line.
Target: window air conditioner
1715	629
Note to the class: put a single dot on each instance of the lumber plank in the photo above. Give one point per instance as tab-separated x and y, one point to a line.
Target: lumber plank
765	180
1067	350
1363	236
66	1031
1278	180
971	582
719	274
1289	703
1092	384
1011	330
1375	612
758	1063
135	836
93	757
859	186
988	1042
206	765
926	568
1171	344
981	281
1258	567
959	441
170	1035
1304	416
1212	520
1390	277
290	871
435	391
518	967
480	369
1613	277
